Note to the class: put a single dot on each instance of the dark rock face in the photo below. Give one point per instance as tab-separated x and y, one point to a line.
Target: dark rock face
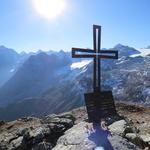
8	62
8	56
33	133
38	72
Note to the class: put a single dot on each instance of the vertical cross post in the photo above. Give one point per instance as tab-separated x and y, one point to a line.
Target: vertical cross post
97	62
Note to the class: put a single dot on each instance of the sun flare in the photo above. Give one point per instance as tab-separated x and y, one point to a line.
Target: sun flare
49	9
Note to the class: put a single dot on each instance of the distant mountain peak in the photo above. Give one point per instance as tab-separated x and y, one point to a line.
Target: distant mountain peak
6	50
119	45
122	46
2	46
126	50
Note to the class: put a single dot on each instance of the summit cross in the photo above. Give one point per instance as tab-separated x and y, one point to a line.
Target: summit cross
99	103
96	54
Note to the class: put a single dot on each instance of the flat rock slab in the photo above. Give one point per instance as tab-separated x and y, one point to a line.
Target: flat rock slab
76	138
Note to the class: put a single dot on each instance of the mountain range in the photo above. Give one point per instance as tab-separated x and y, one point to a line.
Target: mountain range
53	82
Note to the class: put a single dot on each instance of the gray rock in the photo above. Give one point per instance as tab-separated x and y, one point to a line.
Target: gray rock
118	127
67	115
17	144
42	146
130	129
134	138
145	138
29	132
120	143
39	133
131	136
65	119
76	138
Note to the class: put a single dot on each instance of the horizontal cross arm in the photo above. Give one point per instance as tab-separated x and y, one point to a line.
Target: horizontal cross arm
112	54
76	53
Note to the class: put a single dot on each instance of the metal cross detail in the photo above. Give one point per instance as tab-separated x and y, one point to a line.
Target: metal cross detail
96	54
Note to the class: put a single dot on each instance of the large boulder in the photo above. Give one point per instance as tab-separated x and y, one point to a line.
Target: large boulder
134	138
140	140
146	140
118	127
76	138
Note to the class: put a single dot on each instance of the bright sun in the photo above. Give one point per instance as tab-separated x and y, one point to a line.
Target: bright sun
49	9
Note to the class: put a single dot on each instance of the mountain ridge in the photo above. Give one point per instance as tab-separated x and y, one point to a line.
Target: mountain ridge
35	90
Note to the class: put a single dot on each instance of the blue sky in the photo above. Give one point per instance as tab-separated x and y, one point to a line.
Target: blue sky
123	21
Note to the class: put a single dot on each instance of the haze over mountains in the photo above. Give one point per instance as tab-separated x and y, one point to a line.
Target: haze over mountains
52	82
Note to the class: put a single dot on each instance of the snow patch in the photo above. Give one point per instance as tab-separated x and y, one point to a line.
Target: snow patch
120	62
135	55
79	65
144	52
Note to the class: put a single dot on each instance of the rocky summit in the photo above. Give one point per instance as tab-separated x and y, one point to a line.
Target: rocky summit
33	133
68	131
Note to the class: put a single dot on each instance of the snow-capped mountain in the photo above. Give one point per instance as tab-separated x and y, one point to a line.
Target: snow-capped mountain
125	50
55	82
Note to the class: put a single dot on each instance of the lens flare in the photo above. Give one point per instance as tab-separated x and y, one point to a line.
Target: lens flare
49	9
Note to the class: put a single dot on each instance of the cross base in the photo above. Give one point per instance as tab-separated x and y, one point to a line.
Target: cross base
99	105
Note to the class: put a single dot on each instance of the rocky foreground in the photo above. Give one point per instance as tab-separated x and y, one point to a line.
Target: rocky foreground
130	131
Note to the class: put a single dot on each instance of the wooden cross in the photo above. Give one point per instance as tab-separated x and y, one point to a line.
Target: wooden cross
96	54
